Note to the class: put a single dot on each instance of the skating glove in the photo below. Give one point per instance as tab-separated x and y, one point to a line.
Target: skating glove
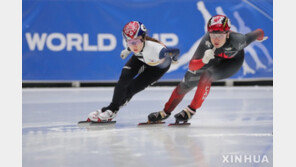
261	37
124	53
209	54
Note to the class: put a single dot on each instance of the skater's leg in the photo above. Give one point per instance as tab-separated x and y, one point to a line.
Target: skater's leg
221	70
188	83
224	69
202	91
129	71
144	79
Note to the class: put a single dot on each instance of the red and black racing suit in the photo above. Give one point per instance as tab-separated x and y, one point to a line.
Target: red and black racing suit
228	60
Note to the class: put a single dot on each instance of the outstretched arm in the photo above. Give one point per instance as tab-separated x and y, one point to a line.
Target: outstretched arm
171	52
242	41
258	34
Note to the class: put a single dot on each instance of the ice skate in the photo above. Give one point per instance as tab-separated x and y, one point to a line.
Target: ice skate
99	117
183	116
156	118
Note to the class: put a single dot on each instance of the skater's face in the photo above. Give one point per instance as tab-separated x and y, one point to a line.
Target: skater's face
136	45
218	39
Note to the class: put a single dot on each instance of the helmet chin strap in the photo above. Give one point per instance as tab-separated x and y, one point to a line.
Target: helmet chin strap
143	45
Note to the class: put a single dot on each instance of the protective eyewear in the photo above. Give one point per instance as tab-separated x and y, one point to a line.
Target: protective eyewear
134	41
218	35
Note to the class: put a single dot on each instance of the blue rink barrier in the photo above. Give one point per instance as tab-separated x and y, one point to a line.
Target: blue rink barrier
80	40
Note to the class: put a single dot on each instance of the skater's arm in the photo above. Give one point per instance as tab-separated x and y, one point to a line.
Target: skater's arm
171	52
254	35
241	41
125	52
195	64
202	54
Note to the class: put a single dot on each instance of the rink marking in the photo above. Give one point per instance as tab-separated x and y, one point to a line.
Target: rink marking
234	135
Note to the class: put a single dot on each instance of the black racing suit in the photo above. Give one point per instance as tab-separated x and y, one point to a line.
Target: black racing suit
136	75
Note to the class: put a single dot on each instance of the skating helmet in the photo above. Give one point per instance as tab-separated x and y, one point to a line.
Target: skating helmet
134	29
219	23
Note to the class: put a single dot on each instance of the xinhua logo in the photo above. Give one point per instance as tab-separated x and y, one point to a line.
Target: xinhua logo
232	158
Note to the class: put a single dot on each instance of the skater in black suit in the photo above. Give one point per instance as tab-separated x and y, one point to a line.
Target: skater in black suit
150	61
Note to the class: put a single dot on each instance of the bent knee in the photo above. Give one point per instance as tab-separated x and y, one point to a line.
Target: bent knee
125	76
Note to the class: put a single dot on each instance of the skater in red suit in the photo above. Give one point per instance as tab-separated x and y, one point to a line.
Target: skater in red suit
219	55
150	61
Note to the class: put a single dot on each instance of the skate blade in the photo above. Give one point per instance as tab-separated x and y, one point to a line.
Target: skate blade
83	124
150	123
94	126
102	123
180	124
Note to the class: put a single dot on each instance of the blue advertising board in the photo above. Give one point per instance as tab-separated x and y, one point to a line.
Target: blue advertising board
81	39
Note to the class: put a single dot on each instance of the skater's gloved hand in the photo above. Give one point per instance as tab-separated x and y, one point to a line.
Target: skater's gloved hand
124	53
261	37
175	62
175	58
209	54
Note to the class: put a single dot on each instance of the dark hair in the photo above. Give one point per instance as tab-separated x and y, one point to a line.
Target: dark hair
153	39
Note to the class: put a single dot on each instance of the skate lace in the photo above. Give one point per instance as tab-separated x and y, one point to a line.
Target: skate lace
156	114
189	112
162	114
110	114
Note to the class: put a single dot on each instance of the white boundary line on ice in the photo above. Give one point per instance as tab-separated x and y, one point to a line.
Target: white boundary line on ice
45	125
56	126
233	135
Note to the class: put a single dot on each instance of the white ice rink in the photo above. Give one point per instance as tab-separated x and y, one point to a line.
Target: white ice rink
232	129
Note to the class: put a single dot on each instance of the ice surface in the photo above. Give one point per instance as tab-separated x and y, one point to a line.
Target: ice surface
232	128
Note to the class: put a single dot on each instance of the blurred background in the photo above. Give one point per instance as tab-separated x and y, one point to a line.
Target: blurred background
78	42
